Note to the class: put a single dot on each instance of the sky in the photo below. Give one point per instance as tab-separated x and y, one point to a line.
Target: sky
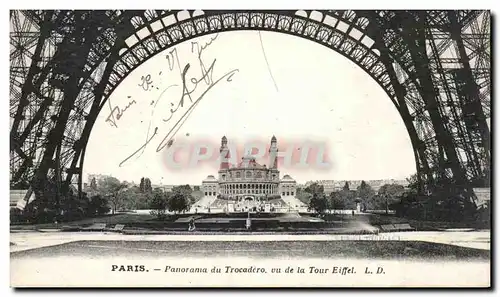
270	84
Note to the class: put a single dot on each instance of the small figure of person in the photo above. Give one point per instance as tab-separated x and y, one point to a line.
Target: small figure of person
191	225
249	222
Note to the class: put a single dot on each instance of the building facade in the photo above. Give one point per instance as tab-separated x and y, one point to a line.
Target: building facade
210	186
288	186
248	181
337	185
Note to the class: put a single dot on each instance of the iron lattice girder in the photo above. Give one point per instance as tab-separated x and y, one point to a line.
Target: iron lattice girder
118	26
51	72
402	53
132	56
24	153
403	63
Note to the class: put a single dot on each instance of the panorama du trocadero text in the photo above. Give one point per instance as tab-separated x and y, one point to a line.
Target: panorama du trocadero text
251	269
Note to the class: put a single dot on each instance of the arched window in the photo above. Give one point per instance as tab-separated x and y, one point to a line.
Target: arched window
238	174
259	174
137	21
223	177
248	174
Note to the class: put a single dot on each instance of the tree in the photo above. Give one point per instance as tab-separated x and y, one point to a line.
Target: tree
53	205
111	187
177	202
413	185
315	188
147	185
98	206
143	200
366	195
337	200
72	207
185	191
392	190
132	197
391	194
93	184
365	191
346	186
159	203
141	185
343	199
303	196
318	203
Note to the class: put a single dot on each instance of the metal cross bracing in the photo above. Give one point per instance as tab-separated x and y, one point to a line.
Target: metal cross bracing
30	45
434	66
52	100
455	146
458	73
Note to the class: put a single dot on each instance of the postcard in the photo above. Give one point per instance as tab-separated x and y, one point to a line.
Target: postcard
250	148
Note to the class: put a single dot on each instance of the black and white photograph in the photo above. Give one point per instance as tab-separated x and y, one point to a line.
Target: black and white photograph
250	148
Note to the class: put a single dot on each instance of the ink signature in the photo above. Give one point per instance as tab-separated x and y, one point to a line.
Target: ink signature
195	46
168	138
146	80
186	91
117	113
228	76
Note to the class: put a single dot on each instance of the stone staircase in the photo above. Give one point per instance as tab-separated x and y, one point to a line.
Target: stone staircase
204	202
293	201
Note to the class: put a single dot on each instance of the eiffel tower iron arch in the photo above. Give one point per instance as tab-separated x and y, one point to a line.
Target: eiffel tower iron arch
383	48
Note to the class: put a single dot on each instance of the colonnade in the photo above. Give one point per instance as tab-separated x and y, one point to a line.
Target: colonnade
249	188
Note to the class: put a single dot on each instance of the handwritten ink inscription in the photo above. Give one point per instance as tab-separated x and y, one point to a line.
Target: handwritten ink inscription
189	93
117	113
146	82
